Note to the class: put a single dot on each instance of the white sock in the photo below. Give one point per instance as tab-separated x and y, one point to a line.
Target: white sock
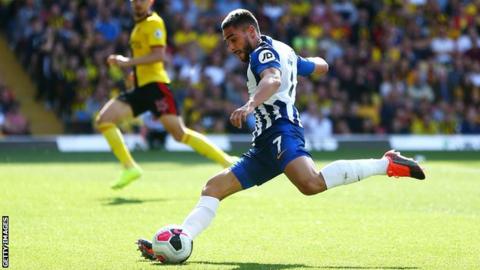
201	216
343	172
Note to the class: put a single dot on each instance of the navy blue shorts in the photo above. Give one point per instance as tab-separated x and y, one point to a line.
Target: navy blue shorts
272	151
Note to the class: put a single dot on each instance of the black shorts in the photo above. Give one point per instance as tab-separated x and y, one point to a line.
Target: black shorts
155	97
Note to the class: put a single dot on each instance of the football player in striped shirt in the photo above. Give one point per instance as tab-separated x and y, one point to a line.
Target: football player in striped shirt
278	140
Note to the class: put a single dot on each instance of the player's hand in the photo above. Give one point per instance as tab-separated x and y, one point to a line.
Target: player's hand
119	60
240	115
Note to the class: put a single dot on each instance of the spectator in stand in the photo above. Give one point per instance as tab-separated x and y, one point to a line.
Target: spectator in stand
315	123
424	124
443	46
471	124
420	90
14	122
7	98
109	27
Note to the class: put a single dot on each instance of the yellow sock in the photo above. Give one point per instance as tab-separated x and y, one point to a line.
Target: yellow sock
204	147
115	140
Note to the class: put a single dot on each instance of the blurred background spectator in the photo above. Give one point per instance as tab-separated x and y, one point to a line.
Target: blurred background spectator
12	122
396	66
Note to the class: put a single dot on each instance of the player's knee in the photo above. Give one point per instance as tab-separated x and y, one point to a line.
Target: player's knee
216	188
311	186
177	135
99	120
107	116
210	189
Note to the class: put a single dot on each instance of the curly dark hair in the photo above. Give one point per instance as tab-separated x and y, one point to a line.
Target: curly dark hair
240	17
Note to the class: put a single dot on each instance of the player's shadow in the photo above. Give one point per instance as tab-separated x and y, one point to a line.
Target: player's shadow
248	266
369	267
121	201
280	266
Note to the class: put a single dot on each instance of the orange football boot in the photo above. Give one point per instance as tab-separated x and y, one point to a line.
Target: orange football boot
400	166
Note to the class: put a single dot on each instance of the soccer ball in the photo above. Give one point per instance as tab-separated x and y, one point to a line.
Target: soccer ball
171	245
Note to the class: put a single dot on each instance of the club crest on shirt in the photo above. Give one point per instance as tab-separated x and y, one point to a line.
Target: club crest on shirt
158	33
265	56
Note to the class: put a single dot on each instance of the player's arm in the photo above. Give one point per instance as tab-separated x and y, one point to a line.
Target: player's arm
311	65
270	80
157	54
155	39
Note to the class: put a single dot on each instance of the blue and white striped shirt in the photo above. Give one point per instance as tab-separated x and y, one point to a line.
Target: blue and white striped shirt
273	53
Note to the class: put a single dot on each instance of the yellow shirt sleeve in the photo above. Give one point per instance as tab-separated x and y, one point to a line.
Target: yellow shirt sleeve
157	34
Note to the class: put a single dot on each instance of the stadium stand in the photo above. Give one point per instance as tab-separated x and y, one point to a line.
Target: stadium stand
398	67
19	82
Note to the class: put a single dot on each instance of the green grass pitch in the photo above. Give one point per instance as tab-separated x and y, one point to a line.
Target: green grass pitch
64	216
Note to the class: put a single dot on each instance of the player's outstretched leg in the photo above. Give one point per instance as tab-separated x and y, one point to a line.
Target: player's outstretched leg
344	172
217	188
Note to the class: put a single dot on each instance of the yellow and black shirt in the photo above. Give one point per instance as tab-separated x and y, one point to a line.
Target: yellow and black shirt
146	34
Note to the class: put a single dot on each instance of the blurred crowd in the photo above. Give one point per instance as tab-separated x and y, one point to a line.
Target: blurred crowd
399	67
12	121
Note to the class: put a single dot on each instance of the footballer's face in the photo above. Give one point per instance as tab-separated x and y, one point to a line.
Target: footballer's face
141	7
239	41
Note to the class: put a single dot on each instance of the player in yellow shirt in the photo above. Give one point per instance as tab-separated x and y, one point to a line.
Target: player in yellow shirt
150	93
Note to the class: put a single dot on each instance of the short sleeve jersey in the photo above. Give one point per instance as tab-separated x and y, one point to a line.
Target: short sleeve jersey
274	54
146	34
